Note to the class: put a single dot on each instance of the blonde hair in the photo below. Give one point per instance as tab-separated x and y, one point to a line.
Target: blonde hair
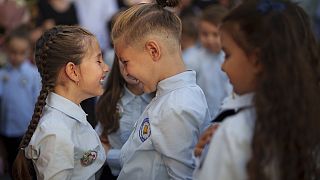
149	18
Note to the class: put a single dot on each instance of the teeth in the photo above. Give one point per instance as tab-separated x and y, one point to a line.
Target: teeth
102	81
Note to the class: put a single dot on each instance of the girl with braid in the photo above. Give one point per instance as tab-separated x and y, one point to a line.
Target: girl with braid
59	142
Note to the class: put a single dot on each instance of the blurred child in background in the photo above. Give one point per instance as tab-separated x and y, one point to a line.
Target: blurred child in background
212	80
19	88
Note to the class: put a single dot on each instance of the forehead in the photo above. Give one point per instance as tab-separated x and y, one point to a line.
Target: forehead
205	25
92	47
226	39
18	42
120	47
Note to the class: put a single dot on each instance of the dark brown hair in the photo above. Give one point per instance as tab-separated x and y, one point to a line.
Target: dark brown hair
286	137
106	108
55	48
141	20
214	14
22	32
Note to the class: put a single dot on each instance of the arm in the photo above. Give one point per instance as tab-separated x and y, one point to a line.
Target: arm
56	159
228	153
113	155
205	139
175	137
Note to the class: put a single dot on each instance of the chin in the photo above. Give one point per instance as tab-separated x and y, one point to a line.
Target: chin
149	90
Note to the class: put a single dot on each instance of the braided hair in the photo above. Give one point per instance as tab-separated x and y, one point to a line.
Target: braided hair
54	49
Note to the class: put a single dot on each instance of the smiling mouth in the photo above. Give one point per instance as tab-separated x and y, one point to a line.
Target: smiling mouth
102	80
133	78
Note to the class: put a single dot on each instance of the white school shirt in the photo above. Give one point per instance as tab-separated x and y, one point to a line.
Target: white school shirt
230	148
161	144
62	138
130	108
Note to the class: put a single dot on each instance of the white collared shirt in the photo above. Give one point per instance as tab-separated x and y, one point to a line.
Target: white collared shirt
130	108
230	147
161	144
62	138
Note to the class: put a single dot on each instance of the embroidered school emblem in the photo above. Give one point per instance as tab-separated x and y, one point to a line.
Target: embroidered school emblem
145	130
88	158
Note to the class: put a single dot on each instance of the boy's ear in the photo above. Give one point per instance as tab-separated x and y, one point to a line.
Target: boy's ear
72	71
153	48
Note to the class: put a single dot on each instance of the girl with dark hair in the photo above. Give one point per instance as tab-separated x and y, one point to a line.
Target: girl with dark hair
117	110
273	63
59	142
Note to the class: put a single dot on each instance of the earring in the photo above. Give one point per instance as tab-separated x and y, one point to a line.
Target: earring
77	83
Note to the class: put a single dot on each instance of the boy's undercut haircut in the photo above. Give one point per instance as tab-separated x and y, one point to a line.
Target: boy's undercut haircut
145	19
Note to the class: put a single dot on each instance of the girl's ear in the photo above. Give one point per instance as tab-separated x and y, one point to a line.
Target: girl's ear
153	48
72	72
255	61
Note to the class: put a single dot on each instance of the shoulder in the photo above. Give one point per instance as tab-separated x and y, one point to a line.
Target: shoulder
239	127
56	122
184	99
186	105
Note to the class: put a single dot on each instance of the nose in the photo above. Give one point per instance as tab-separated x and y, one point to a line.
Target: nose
105	67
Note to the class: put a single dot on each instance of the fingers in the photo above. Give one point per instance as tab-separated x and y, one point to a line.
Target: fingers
205	139
198	151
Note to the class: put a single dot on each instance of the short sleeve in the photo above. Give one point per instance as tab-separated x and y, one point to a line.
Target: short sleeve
228	152
56	153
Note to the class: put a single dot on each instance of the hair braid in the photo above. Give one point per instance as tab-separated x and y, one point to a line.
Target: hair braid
22	164
54	49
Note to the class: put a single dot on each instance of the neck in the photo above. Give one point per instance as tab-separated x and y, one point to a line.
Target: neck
174	65
135	89
69	93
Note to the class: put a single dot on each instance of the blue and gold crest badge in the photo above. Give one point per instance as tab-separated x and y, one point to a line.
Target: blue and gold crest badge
145	130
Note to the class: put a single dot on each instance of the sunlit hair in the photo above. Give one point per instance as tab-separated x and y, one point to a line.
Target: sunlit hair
54	49
145	19
286	138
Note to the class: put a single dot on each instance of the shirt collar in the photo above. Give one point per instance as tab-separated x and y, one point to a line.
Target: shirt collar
237	102
67	107
128	96
22	66
184	79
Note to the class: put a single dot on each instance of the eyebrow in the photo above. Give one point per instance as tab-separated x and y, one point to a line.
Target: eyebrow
99	54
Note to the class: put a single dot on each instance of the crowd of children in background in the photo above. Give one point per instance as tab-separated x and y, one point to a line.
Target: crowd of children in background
208	46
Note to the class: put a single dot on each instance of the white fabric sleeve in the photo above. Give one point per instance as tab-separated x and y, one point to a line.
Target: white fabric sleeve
56	160
175	137
113	160
227	155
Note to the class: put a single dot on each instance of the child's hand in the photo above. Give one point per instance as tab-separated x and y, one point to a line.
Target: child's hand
205	139
105	143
